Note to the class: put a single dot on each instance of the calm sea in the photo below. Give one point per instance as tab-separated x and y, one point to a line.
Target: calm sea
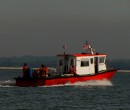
92	95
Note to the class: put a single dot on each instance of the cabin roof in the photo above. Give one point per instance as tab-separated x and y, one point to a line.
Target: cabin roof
81	55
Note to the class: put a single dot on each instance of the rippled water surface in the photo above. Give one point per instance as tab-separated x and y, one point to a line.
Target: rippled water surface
92	95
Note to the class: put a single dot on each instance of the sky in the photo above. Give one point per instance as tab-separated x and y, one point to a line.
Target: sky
42	27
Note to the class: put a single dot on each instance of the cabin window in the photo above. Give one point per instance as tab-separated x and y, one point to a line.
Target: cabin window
96	60
66	58
91	60
101	59
72	61
60	62
84	63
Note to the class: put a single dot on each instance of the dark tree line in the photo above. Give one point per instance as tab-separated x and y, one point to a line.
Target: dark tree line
32	61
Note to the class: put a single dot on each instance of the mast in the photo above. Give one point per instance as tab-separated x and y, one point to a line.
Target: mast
87	47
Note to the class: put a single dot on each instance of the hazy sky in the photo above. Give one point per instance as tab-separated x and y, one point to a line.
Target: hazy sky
41	27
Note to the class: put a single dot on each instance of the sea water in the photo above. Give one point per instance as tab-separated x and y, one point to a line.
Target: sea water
91	95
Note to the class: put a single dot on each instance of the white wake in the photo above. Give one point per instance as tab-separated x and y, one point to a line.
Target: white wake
7	83
94	83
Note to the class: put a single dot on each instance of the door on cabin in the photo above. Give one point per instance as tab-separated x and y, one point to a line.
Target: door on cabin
69	62
96	64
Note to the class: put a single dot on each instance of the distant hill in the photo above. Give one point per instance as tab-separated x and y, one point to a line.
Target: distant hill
50	61
123	64
32	61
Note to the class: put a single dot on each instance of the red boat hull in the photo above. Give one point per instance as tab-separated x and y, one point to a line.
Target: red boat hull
26	82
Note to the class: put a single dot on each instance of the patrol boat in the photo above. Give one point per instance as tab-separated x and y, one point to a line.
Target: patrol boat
88	66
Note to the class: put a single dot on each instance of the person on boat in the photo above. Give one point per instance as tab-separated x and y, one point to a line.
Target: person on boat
73	70
43	71
25	70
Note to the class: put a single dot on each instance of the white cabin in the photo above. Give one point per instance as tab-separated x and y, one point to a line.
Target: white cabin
85	64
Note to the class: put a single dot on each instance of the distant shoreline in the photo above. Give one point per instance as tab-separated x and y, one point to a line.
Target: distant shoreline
126	71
